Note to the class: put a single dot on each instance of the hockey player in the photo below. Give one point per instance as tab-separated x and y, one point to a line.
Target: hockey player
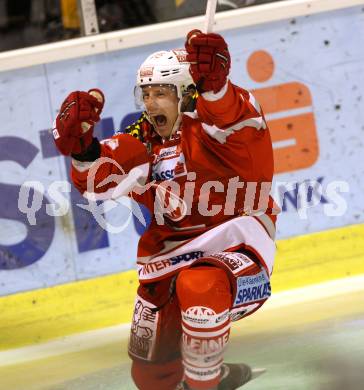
202	156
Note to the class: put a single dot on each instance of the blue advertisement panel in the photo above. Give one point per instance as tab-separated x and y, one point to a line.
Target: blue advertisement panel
307	73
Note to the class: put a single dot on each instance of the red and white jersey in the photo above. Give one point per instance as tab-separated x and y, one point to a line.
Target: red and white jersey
207	187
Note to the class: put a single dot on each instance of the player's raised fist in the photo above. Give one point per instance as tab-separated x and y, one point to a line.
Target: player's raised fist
73	129
210	60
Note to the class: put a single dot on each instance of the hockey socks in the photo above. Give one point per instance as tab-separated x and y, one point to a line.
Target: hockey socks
204	296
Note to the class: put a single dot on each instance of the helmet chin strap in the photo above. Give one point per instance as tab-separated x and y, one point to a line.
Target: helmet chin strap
176	125
148	117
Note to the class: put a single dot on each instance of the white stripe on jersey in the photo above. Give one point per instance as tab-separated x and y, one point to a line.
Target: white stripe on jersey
221	134
240	230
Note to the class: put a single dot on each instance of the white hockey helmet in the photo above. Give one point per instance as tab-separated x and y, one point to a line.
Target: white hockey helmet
164	67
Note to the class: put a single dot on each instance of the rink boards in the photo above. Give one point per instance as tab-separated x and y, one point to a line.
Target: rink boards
41	315
65	274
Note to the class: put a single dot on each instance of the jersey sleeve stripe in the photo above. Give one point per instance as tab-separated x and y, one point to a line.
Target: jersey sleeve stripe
221	134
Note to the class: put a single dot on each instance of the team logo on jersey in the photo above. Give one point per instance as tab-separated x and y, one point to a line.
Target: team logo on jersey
179	208
174	207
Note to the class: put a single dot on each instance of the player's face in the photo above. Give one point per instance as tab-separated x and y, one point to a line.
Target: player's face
161	103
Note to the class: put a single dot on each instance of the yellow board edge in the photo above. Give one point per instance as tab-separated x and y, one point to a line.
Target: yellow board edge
37	316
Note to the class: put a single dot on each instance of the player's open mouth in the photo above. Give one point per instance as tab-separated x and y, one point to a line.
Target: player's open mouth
160	120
